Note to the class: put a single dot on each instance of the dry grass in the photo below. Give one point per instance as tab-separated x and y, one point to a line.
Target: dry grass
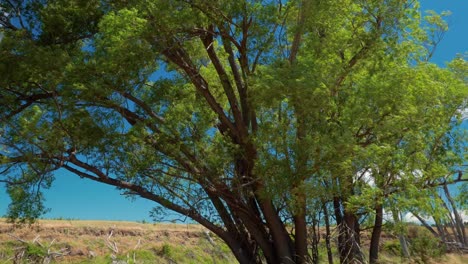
97	241
452	259
446	259
128	233
84	240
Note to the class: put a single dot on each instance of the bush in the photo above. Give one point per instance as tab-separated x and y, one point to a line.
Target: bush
425	246
392	247
35	253
166	250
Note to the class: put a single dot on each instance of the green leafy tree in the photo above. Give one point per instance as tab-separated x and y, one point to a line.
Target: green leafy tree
242	115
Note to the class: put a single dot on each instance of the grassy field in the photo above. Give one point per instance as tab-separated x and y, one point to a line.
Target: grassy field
70	241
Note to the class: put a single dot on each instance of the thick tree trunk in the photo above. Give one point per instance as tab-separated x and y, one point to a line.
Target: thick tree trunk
300	230
375	238
328	234
352	247
302	254
349	244
282	240
300	239
259	235
246	245
242	254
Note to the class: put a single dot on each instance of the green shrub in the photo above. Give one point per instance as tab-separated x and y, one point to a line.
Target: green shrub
34	250
166	250
392	247
35	253
425	246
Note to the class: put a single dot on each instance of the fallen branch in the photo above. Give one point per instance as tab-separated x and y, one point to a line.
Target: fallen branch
112	245
19	239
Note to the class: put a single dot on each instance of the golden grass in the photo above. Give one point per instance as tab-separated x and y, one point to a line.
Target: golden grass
446	259
92	241
452	259
48	223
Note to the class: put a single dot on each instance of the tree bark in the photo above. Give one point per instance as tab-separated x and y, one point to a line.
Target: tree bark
425	224
460	226
282	240
376	232
349	244
300	239
328	233
315	239
242	254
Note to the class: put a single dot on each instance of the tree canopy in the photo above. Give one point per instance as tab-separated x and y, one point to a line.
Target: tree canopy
246	116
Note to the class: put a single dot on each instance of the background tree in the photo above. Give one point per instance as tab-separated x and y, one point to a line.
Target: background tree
228	112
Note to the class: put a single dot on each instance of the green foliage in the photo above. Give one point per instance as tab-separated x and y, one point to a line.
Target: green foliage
26	204
68	20
424	246
166	250
35	251
392	247
210	108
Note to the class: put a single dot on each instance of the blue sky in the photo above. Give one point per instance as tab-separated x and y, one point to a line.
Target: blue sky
456	39
72	197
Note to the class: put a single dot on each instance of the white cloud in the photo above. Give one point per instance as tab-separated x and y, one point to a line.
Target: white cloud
387	216
366	177
464	113
410	218
464	216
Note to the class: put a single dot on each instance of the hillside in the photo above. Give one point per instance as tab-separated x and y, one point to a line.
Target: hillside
73	241
70	241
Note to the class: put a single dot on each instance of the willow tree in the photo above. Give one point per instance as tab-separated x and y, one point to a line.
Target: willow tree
227	112
375	111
